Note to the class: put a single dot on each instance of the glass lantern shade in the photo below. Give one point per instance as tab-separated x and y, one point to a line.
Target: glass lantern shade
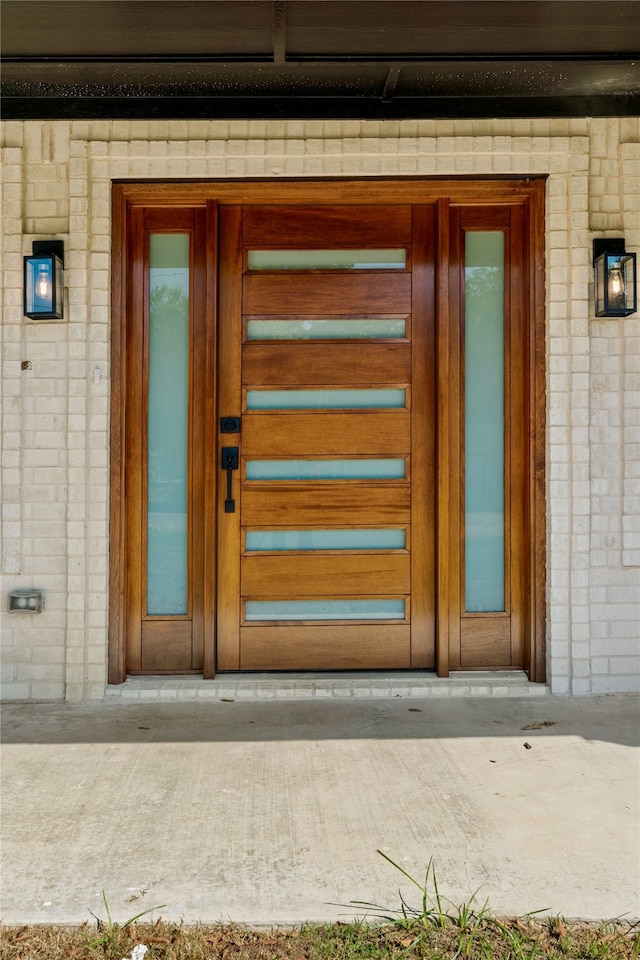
615	284
43	291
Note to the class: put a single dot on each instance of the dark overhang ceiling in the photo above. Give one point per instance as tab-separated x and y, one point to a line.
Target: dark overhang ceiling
388	59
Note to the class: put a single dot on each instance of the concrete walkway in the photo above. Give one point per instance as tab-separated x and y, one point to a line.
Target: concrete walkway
272	812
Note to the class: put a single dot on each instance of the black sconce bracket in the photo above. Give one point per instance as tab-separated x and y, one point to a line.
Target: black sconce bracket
51	247
602	245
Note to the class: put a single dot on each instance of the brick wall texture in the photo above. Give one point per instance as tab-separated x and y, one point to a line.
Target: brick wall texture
56	182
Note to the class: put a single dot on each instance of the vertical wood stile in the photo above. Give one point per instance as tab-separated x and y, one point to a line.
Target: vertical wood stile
443	430
133	439
198	430
229	404
423	437
517	411
211	475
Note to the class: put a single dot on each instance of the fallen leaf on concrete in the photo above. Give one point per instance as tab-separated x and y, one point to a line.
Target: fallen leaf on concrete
414	710
526	745
493	761
539	724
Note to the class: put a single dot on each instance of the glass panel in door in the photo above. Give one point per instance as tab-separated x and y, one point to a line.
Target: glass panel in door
168	428
484	421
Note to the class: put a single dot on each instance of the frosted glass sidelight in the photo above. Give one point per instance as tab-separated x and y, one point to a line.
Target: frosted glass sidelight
392	328
484	422
327	259
324	399
352	539
326	469
168	386
324	610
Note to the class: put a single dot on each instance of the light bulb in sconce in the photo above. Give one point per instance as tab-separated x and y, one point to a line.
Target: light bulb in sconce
616	285
43	282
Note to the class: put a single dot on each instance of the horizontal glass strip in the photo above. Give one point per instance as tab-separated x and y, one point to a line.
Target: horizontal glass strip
351	539
327	259
325	399
388	329
326	469
324	610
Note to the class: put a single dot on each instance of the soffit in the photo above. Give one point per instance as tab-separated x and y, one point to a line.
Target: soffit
320	58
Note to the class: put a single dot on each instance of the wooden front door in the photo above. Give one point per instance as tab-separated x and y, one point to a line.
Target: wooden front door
327	427
326	386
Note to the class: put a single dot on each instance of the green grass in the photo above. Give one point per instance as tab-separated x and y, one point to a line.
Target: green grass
109	931
485	937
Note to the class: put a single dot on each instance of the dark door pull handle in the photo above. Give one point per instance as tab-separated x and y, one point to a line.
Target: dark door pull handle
229	463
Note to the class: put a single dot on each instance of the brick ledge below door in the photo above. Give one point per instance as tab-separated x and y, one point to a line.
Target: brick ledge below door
337	686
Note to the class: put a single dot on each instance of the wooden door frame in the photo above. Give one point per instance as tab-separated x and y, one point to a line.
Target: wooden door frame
443	193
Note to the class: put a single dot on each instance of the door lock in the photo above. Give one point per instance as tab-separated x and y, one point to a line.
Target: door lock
229	463
230	425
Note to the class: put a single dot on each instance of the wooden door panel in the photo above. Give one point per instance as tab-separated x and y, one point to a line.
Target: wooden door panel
302	294
269	435
343	646
167	647
339	226
267	504
325	575
356	364
485	642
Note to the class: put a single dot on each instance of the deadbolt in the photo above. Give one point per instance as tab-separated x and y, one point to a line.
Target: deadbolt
230	425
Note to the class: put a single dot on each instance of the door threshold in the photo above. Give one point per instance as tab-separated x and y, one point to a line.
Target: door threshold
325	686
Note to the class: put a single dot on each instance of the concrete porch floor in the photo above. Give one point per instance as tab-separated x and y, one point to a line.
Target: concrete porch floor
267	810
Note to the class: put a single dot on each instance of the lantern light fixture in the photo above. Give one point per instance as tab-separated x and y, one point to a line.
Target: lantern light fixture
614	278
43	281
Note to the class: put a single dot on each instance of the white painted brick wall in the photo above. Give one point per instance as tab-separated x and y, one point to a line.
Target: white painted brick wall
56	181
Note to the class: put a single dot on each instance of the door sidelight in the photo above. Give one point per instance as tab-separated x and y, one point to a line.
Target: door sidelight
229	463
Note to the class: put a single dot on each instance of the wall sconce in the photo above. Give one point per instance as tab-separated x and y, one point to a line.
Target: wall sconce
614	278
43	296
26	601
